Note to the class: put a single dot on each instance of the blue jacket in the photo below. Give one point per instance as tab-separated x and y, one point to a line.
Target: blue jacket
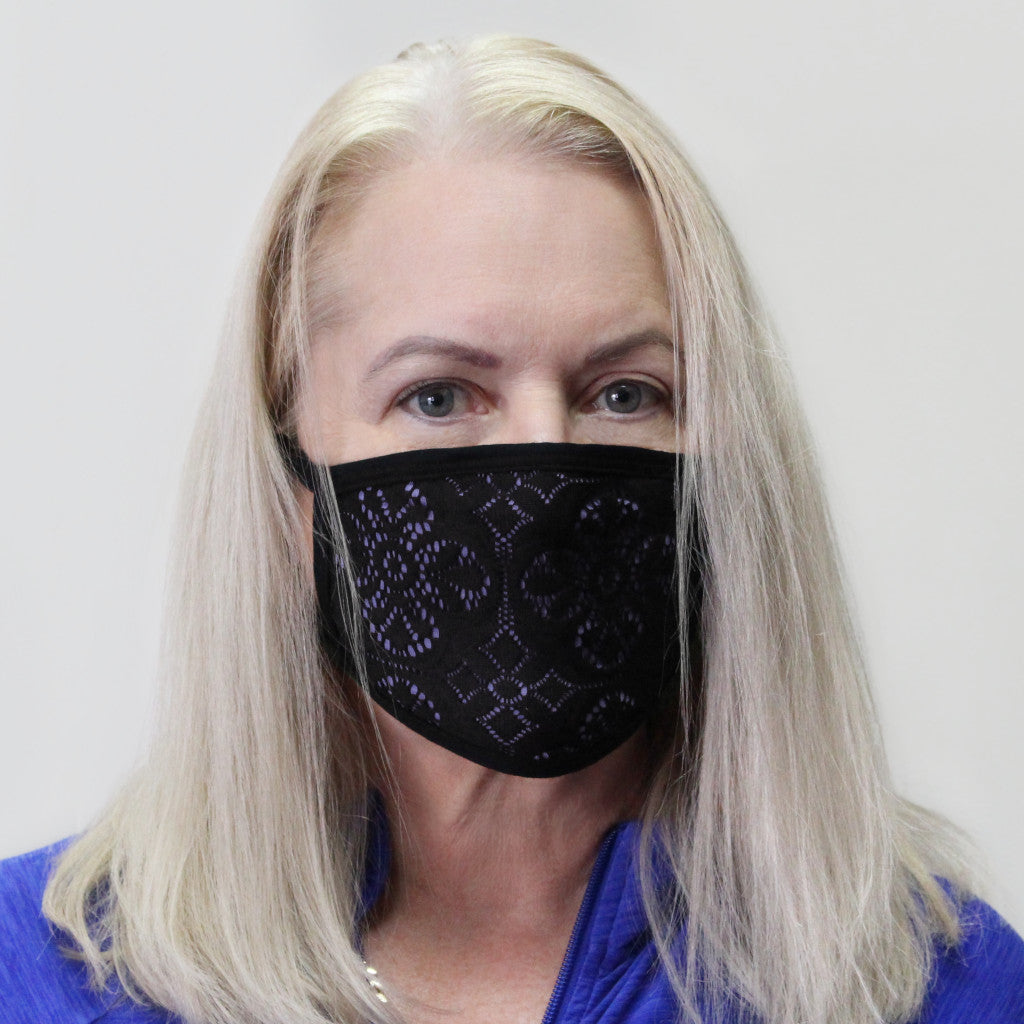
610	974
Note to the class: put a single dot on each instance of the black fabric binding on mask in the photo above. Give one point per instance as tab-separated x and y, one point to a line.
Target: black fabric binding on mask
519	600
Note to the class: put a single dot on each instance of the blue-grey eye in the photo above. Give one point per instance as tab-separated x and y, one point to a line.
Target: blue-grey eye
623	396
436	400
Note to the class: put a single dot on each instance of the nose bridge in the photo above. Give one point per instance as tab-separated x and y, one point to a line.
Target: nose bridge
537	413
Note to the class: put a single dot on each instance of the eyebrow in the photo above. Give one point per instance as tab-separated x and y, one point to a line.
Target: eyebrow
421	344
621	347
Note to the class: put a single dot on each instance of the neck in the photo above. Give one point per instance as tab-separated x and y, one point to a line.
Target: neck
468	839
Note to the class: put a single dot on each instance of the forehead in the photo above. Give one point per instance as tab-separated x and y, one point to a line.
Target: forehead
488	239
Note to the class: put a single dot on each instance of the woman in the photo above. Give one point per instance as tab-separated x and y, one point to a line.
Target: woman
435	709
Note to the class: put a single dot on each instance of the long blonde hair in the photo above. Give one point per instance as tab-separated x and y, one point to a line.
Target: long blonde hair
224	882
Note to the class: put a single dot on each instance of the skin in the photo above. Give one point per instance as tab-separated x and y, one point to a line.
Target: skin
488	301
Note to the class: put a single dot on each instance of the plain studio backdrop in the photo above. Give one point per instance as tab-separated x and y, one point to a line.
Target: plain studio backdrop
868	156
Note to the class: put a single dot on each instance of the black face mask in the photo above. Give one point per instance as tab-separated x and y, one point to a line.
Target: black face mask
518	601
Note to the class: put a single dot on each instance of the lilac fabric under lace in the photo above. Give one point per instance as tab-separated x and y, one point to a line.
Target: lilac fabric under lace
519	601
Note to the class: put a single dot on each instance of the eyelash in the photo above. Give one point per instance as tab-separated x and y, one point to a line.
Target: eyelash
419	387
654	395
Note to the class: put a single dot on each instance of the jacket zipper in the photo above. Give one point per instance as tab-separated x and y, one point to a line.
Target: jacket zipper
589	895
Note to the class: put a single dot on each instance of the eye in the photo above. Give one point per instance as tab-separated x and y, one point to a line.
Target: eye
626	396
436	399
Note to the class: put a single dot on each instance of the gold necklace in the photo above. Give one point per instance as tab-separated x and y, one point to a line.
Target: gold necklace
371	980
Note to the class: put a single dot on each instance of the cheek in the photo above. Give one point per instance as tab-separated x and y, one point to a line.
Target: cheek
324	403
323	425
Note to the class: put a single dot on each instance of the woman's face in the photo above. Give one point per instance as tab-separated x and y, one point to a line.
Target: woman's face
488	302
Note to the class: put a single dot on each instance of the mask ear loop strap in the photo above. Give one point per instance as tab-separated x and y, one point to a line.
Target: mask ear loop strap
298	462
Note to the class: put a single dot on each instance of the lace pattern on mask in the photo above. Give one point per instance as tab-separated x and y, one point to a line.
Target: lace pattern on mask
537	606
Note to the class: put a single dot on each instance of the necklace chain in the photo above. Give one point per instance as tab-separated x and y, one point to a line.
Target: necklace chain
373	981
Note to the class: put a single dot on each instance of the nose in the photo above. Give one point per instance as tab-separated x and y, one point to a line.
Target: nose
534	416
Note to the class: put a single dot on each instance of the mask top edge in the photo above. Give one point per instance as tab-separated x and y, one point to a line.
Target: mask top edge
427	463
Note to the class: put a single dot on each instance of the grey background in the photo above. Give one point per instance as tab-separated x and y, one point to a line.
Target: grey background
868	156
